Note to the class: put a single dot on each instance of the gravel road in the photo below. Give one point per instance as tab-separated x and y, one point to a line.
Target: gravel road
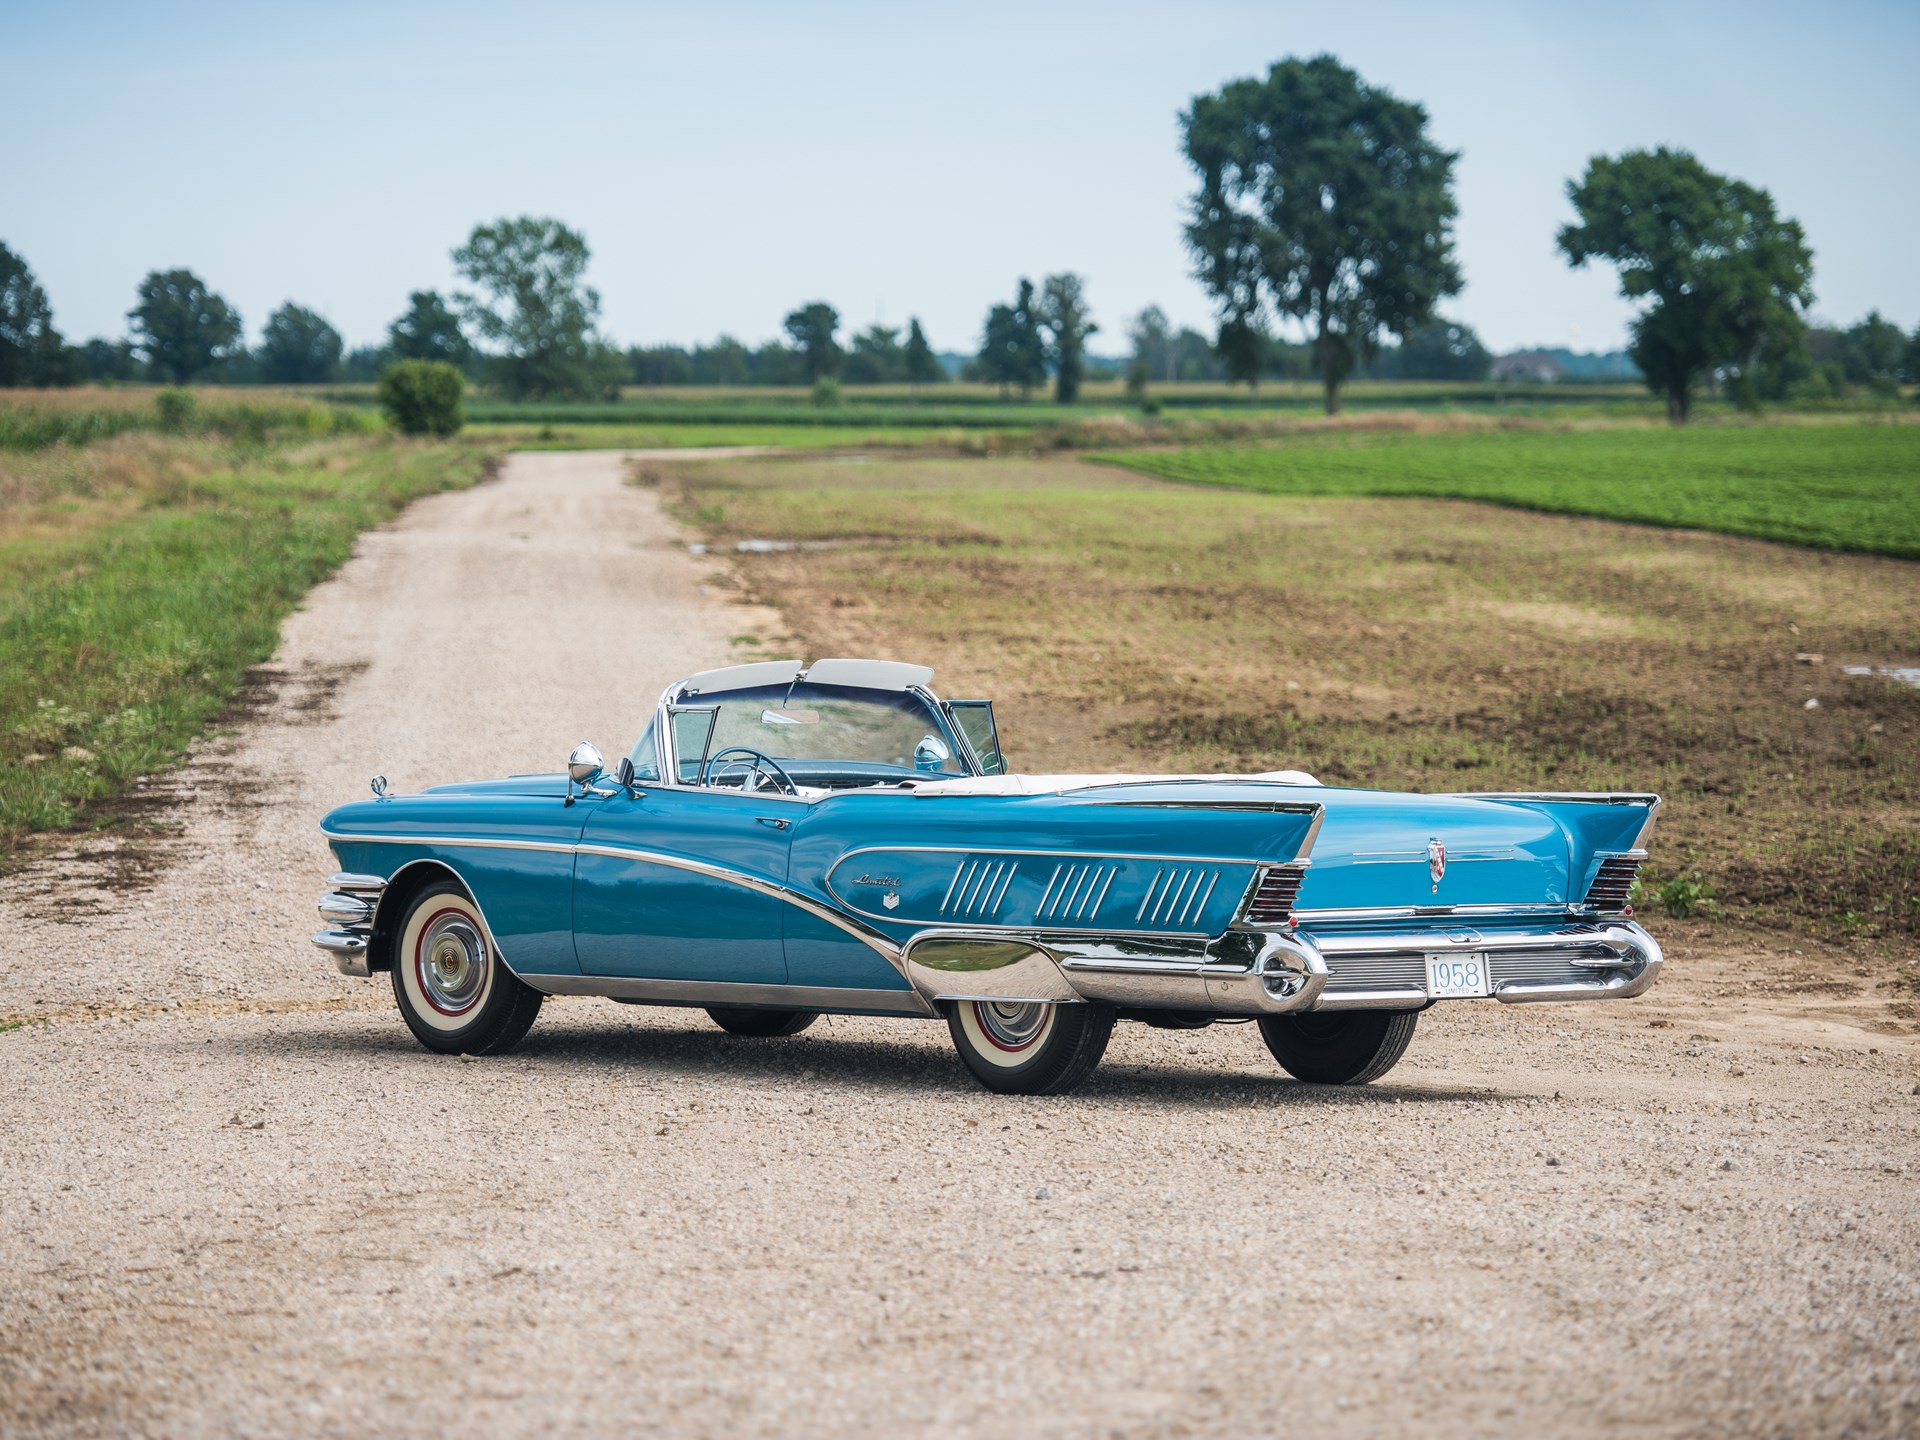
238	1199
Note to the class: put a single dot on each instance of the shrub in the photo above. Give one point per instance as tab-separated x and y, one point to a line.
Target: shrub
1686	895
177	409
826	392
423	397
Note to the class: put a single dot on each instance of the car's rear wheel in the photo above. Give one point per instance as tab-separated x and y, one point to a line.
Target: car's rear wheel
1022	1047
761	1023
454	991
1348	1047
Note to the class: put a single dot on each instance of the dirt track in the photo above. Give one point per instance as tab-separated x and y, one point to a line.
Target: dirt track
238	1199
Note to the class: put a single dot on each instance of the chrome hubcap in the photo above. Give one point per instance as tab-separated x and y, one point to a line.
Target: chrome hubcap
1012	1025
452	963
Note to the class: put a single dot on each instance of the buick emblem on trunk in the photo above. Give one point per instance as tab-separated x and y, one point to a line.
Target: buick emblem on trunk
1436	862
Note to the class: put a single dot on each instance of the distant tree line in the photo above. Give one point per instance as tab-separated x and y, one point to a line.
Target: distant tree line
1321	228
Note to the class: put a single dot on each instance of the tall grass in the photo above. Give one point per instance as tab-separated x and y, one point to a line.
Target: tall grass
36	420
129	615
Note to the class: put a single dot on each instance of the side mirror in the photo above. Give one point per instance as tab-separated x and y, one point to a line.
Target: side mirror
584	762
623	772
931	753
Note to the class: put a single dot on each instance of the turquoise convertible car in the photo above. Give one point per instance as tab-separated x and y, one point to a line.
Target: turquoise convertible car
786	840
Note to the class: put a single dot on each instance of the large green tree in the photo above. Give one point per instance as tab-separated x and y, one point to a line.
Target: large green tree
876	357
1242	348
1875	351
1151	336
534	305
1322	197
180	326
812	328
1439	350
1013	351
923	366
1722	279
429	330
1062	313
298	347
31	350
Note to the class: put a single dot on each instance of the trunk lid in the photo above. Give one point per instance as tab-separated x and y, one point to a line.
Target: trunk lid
1380	849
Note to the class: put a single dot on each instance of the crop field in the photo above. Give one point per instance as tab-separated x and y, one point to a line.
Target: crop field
141	574
1841	486
679	435
1412	643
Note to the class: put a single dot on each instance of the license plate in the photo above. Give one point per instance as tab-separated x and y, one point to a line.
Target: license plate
1456	975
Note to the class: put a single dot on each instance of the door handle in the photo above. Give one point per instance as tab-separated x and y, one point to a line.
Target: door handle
775	822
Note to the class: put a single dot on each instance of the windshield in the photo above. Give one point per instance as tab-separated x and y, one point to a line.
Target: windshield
822	734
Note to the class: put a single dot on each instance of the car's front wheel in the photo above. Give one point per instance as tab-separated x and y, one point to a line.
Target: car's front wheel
1348	1047
454	991
1024	1047
761	1023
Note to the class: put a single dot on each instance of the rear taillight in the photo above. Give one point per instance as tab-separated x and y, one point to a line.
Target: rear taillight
1612	888
1272	902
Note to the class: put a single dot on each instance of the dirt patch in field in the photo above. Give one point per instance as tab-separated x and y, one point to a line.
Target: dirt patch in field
1405	644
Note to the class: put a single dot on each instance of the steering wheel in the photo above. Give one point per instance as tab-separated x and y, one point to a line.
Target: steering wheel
764	767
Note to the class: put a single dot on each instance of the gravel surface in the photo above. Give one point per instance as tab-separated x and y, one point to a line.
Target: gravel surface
240	1200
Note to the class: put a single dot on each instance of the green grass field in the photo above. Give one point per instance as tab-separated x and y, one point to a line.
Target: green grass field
141	575
1843	486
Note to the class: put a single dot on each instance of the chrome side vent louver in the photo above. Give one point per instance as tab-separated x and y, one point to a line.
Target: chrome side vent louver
1613	884
1273	897
977	888
1177	896
1076	892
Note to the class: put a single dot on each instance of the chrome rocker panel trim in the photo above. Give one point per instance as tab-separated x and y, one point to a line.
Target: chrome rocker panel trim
701	993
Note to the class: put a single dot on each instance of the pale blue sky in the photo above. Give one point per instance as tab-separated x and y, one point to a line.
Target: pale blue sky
728	161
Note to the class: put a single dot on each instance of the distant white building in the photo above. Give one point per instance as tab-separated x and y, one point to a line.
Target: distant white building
1529	367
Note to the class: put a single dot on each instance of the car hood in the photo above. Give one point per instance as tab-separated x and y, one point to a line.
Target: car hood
554	784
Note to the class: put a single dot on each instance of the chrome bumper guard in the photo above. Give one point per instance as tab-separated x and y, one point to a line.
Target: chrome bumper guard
348	907
1278	974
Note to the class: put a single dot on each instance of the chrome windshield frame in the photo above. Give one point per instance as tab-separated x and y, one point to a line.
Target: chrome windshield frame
669	759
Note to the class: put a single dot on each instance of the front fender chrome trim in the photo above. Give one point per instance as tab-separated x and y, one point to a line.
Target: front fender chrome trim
863	933
866	934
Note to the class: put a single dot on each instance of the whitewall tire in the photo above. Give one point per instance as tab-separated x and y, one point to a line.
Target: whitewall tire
453	989
1020	1047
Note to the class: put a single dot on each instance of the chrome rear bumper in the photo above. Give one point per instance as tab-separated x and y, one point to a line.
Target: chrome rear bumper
1295	971
1602	960
348	907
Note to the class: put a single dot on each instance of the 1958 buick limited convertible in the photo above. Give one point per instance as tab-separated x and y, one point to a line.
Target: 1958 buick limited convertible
785	840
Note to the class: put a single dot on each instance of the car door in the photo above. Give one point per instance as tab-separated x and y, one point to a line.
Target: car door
664	885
